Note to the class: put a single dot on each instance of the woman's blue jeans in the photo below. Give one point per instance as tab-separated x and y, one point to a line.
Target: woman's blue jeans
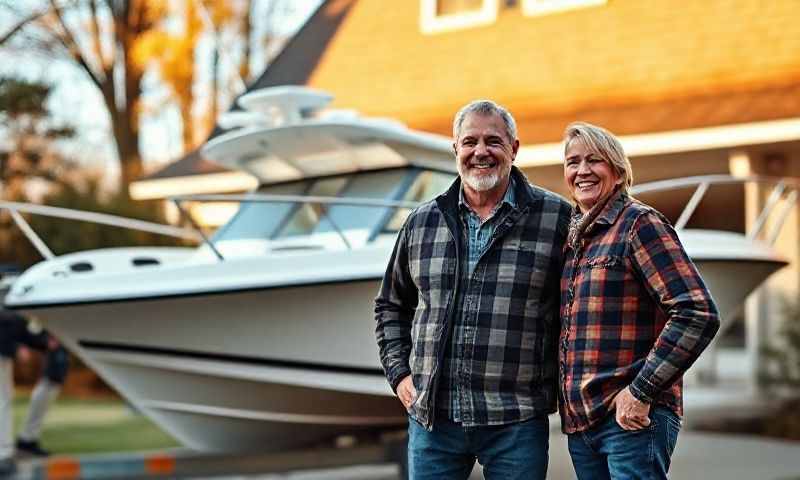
607	451
507	452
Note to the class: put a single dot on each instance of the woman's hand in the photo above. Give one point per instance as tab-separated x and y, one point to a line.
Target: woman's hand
632	413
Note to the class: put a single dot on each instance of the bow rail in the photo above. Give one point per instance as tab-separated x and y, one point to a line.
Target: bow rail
783	185
194	233
14	208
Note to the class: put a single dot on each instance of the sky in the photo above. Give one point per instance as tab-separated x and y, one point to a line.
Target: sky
76	101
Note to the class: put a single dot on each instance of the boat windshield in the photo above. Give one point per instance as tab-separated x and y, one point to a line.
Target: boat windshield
273	221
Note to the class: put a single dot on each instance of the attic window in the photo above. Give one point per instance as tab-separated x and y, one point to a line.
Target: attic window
444	15
450	7
544	7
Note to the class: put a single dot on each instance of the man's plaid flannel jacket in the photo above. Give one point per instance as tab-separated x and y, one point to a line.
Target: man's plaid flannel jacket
634	312
512	361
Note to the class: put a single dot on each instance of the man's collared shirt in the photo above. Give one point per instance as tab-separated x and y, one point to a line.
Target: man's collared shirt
479	233
455	396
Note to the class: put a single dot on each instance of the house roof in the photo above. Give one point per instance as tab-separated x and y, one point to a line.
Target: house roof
298	60
190	164
624	57
627	65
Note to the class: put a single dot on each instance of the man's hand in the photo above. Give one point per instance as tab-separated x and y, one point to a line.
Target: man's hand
406	392
632	413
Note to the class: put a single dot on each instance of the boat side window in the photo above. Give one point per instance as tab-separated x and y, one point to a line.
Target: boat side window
307	216
258	220
426	186
360	221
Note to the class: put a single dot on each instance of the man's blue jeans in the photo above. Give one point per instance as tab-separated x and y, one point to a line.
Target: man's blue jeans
607	451
508	452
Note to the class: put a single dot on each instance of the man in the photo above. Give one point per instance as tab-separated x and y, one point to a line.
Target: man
467	315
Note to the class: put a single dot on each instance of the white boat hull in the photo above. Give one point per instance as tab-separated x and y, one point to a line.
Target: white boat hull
731	281
256	370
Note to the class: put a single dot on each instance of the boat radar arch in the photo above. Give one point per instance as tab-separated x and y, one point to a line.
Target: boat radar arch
240	119
285	105
285	135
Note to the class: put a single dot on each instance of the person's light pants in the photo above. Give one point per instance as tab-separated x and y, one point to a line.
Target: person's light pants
6	413
43	395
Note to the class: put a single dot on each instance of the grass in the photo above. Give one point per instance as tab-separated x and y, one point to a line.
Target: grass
79	426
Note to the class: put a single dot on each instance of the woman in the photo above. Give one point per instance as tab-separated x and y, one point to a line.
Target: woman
635	314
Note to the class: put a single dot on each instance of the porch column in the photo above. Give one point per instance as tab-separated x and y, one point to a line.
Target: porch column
755	312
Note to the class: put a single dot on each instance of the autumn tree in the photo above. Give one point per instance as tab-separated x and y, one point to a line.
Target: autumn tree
99	36
229	26
174	54
116	42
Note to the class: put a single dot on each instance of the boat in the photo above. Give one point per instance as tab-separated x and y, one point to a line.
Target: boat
262	337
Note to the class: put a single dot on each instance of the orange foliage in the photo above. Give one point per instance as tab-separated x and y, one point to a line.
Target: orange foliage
174	56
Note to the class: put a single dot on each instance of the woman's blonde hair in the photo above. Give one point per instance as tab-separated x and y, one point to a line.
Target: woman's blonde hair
603	143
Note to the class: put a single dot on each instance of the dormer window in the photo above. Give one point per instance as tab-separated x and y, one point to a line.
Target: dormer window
452	7
444	15
437	16
544	7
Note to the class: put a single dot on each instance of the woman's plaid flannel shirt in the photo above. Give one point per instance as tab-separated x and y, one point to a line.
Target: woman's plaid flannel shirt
634	312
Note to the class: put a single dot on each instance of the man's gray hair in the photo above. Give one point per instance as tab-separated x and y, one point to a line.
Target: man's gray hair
485	107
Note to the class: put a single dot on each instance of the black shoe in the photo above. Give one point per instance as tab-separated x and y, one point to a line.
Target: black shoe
8	467
31	447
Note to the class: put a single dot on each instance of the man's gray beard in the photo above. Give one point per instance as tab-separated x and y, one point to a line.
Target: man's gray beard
481	183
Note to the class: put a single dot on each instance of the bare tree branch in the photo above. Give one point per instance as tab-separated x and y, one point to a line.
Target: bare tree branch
21	24
71	44
29	19
95	33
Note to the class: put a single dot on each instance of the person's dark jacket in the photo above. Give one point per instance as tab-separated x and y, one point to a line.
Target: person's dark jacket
15	329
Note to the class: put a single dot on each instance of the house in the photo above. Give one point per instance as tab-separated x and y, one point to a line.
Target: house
692	88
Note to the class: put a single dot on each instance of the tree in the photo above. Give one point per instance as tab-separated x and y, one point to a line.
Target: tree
99	37
28	153
172	55
32	154
781	375
116	42
29	135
